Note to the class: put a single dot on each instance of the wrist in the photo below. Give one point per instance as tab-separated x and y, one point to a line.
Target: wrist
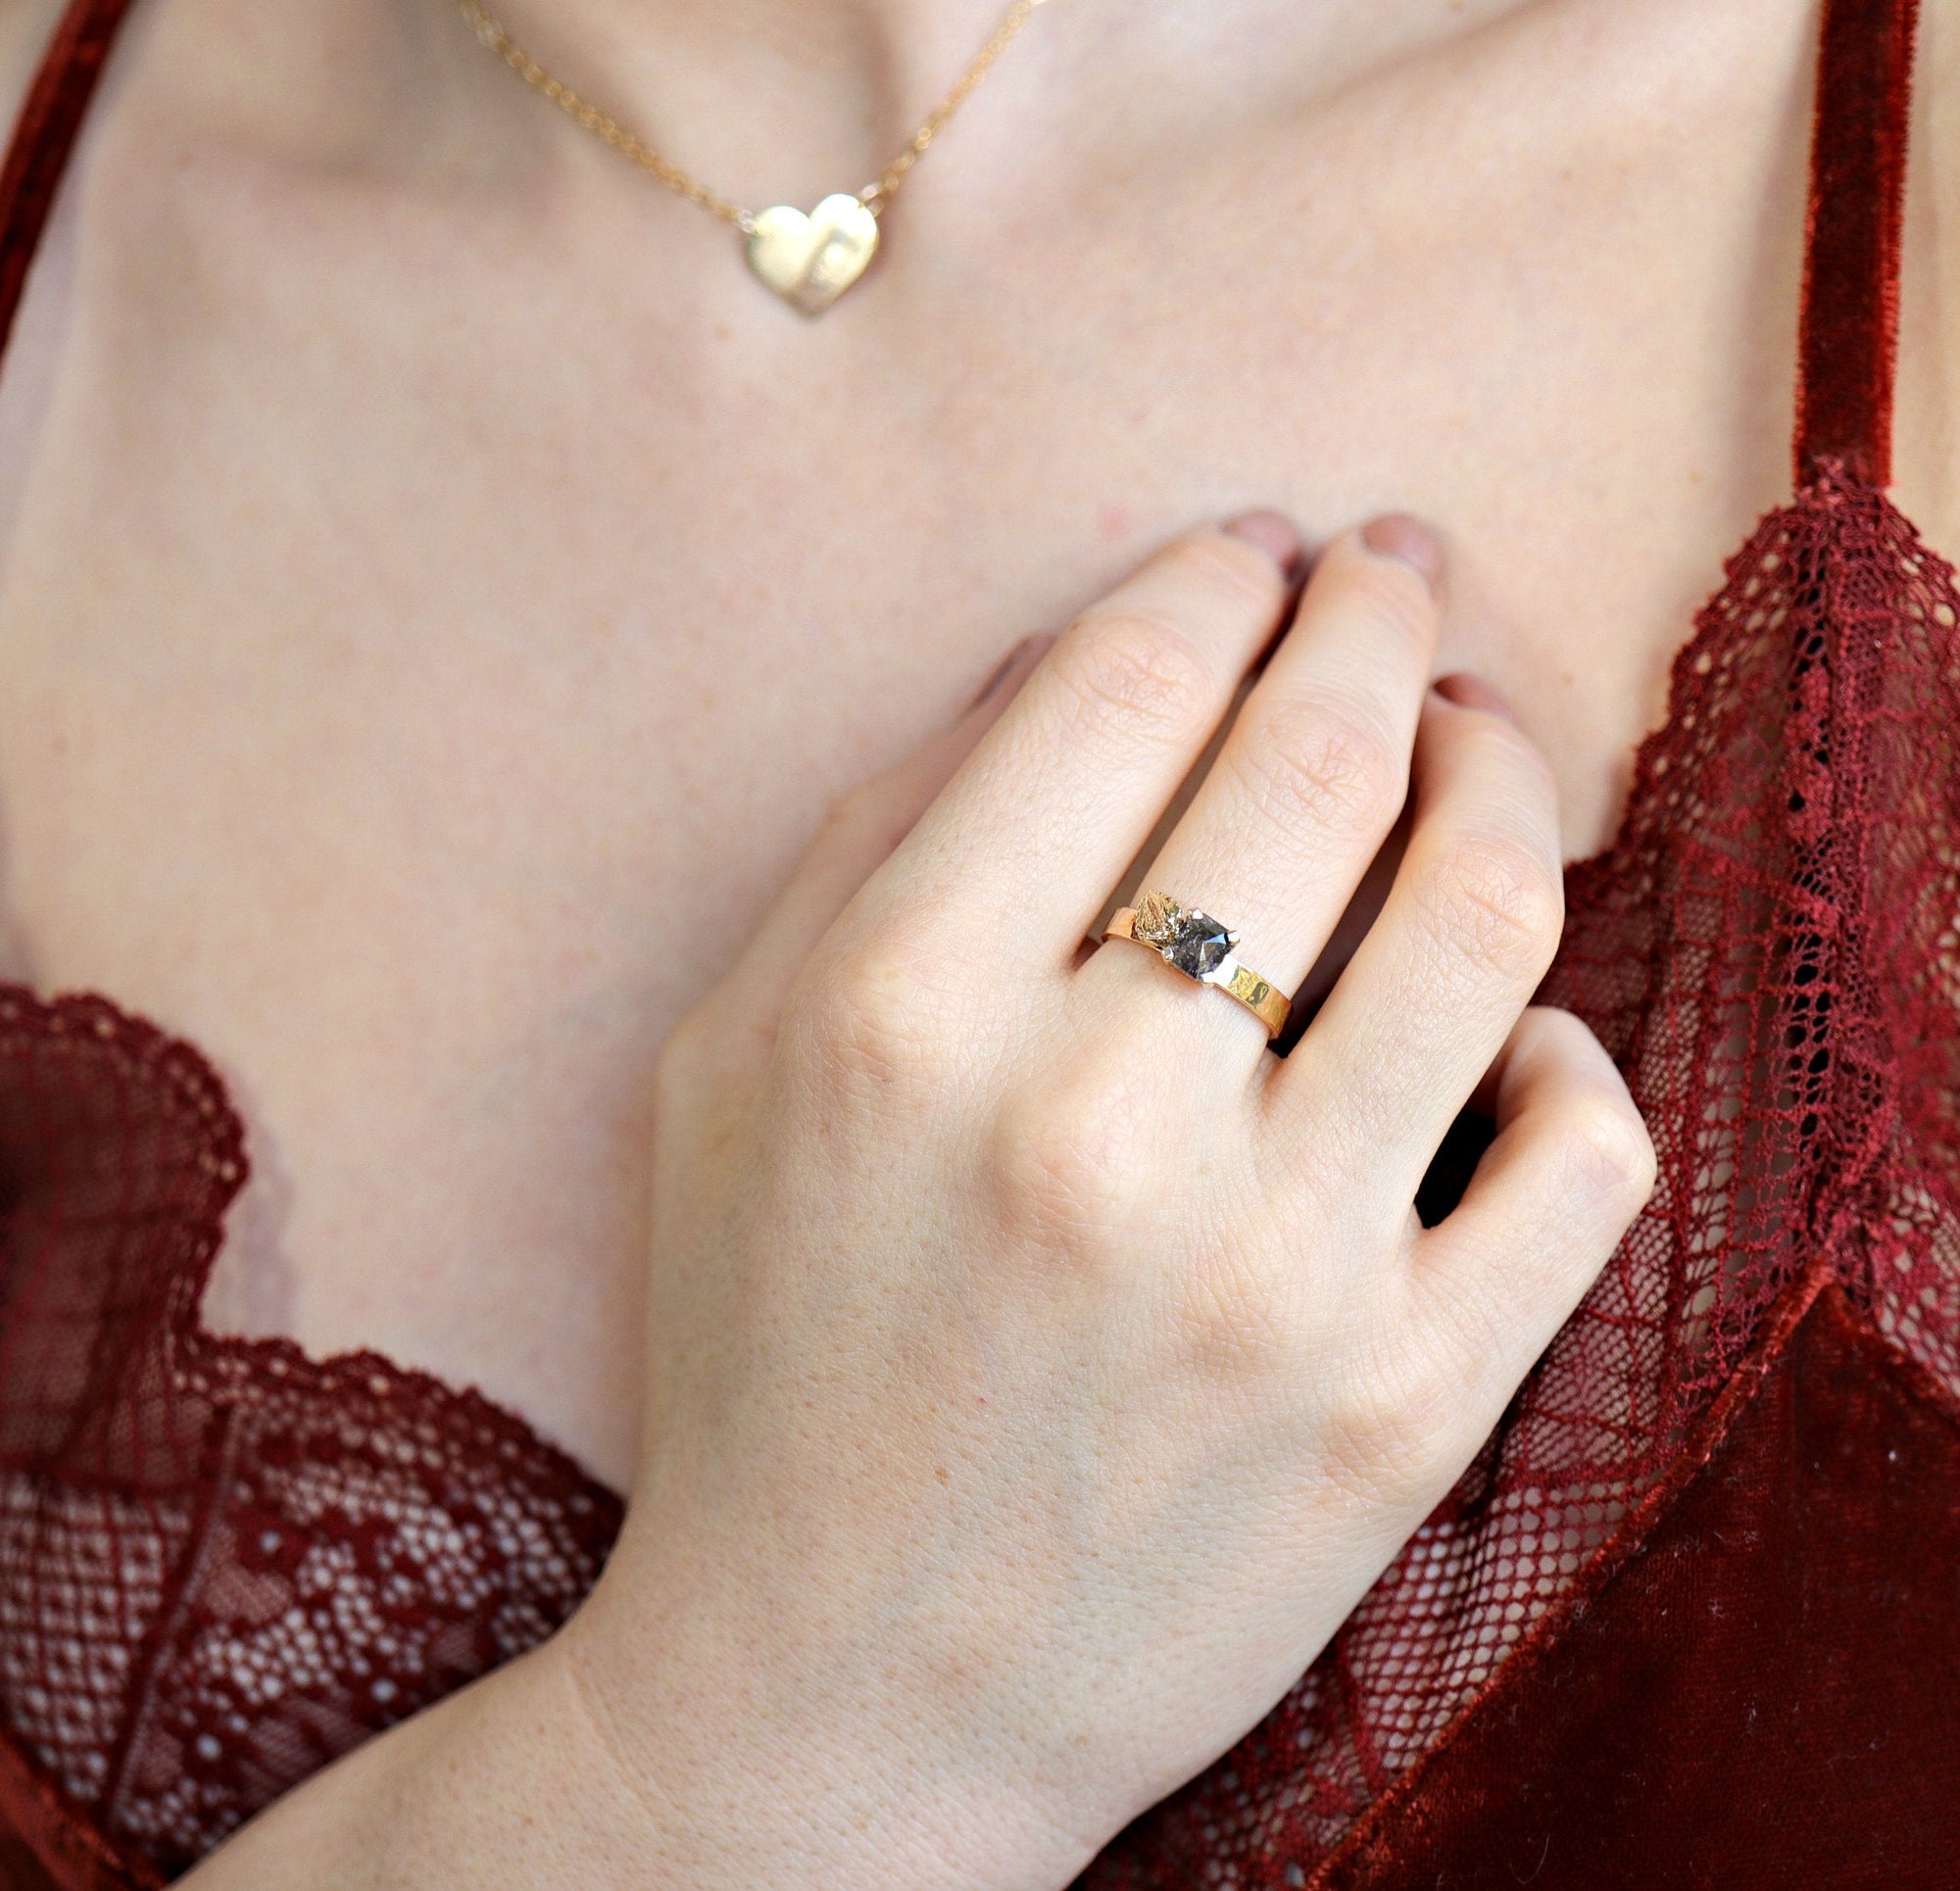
723	1761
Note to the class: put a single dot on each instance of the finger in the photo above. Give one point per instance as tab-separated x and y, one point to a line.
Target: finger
1467	692
858	835
1571	1167
1315	770
1434	990
1023	846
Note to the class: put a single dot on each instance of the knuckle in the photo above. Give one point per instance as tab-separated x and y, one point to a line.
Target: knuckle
1499	903
1132	675
1323	765
1395	1428
1067	1178
866	1020
1614	1153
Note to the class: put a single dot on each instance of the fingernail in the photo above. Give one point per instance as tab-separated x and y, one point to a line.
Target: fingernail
1395	534
1274	536
1013	669
1470	691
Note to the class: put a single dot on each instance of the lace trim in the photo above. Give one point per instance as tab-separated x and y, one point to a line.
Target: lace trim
1770	950
223	1563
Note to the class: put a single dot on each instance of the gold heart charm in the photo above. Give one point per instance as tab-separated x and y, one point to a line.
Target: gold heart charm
811	260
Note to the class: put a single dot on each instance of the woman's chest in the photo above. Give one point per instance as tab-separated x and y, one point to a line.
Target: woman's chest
422	664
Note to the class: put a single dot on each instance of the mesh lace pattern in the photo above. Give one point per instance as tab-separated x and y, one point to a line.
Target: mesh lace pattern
1771	951
223	1563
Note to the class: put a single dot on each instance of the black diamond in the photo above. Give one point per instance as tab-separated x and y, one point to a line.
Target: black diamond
1198	945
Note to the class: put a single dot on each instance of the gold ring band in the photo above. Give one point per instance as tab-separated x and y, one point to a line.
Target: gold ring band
1198	946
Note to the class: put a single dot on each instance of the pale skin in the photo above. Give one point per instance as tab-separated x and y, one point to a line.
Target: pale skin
442	596
1041	1369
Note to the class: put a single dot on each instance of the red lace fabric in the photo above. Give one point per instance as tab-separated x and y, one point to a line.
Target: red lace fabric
1772	955
223	1564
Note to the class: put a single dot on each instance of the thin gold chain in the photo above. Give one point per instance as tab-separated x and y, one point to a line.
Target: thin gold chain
874	196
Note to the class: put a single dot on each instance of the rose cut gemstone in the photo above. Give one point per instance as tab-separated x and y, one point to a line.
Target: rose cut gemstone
1198	945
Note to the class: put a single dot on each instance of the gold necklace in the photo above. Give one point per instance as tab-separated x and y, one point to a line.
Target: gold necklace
810	260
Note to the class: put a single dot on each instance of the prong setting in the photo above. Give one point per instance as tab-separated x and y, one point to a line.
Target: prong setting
1200	949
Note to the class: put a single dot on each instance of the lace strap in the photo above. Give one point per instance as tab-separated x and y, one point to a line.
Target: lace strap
1850	337
44	135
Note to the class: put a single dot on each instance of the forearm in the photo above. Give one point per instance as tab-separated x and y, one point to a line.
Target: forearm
519	1783
498	1787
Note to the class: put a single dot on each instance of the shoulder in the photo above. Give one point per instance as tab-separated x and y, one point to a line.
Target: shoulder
25	27
1927	453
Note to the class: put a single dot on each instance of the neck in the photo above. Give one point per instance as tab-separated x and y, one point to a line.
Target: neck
769	99
785	101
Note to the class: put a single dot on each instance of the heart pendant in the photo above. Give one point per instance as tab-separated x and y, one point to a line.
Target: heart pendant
811	260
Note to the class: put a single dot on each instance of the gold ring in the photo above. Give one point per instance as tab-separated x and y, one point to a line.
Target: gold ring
1198	946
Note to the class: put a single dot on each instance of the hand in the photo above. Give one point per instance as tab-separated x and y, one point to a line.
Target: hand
1041	1369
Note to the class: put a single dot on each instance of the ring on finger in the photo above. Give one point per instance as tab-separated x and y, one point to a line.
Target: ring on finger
1200	947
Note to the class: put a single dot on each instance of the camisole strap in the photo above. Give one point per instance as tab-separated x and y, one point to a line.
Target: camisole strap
1848	349
44	135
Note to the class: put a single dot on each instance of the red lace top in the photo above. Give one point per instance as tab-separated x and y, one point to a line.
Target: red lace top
1693	1616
